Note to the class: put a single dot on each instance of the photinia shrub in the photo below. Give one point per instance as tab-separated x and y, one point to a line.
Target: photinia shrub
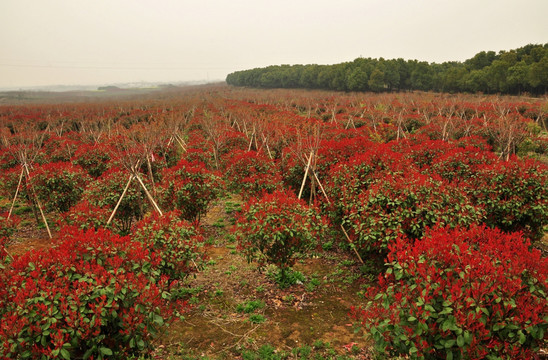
514	194
461	164
460	294
347	179
9	179
273	228
8	159
61	148
189	187
8	226
94	158
86	216
59	185
251	173
106	191
93	295
177	241
406	205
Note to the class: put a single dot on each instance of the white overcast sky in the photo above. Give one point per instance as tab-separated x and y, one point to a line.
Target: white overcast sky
48	42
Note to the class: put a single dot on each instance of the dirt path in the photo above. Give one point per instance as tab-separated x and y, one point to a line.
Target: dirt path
311	316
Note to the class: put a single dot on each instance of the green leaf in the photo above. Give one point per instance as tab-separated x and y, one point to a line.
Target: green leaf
460	341
105	351
65	354
522	337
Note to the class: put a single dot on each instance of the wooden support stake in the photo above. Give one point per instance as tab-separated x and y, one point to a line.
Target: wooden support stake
306	173
149	166
150	198
16	193
267	148
38	203
120	199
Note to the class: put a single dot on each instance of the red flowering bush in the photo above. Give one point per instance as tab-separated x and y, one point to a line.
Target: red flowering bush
8	159
94	158
8	226
61	148
408	204
514	194
59	185
272	229
94	295
177	241
460	294
9	179
461	164
332	152
251	173
86	216
106	191
422	152
189	187
347	179
196	155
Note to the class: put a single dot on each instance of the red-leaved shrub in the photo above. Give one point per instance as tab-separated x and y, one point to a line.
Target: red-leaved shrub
189	187
93	295
176	240
460	294
273	228
406	205
59	185
251	173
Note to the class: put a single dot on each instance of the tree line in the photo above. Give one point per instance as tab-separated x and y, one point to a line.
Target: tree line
518	71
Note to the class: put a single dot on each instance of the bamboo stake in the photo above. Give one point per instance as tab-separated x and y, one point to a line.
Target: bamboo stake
120	199
267	148
150	198
149	166
251	141
16	193
306	173
342	227
38	203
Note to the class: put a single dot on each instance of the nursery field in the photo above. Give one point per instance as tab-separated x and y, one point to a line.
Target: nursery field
218	222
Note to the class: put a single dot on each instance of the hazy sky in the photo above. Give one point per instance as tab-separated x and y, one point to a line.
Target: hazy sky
46	42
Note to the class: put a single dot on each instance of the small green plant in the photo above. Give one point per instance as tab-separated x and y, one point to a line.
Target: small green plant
312	284
285	278
194	300
303	352
257	318
260	289
319	344
250	306
347	262
328	245
220	223
289	299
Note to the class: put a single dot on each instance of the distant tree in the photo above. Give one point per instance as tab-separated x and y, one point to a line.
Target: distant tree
357	80
376	80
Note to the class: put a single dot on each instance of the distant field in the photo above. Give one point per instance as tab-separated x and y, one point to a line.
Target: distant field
231	223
